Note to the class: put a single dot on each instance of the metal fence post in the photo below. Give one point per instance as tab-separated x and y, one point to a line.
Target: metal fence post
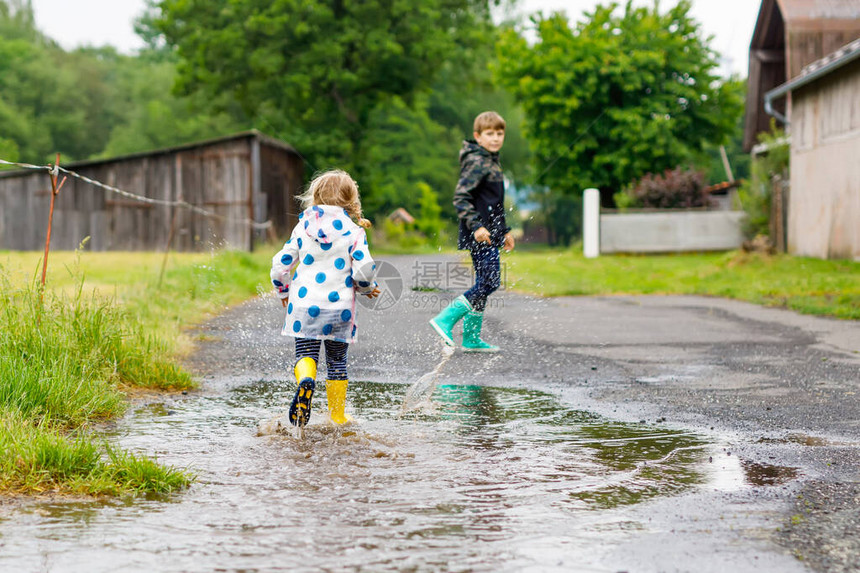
55	190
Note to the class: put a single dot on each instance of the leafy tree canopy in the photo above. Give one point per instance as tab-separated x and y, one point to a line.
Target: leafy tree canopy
622	94
315	72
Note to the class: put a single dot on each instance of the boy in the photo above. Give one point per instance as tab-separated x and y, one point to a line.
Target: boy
480	202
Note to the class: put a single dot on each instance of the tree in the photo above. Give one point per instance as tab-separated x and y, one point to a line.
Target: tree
405	150
314	72
158	118
618	96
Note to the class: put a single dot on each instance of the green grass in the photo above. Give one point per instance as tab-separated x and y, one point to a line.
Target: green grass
810	286
195	286
38	458
106	324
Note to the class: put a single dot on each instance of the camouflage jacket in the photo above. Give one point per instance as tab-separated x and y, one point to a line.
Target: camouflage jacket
480	196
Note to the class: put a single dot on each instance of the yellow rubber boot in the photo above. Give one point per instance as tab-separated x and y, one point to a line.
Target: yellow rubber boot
336	392
305	368
300	408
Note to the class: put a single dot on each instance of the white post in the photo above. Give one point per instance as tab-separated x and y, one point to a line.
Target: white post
591	223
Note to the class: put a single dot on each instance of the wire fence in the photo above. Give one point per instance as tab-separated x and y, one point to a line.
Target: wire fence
56	169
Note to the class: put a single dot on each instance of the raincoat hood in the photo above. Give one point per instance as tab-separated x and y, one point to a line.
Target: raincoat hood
473	148
324	222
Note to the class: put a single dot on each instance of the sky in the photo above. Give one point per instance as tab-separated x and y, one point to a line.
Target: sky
99	22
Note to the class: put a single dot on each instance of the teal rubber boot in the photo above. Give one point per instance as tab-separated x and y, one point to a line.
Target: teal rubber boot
472	324
444	322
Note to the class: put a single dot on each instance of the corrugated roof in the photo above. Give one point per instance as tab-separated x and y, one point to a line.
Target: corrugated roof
815	70
817	10
835	60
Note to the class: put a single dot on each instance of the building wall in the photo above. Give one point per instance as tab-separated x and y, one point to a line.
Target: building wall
282	177
217	176
824	203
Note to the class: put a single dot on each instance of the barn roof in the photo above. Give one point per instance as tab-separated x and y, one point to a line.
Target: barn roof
818	69
250	134
817	12
788	36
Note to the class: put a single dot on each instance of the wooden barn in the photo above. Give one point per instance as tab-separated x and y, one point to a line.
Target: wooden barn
242	189
824	122
788	36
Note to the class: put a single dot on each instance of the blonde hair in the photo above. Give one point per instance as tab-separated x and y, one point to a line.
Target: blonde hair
488	120
335	187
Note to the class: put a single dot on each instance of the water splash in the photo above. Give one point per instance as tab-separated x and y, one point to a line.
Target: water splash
418	396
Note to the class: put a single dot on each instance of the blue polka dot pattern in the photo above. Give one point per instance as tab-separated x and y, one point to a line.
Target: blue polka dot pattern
345	315
338	224
339	263
308	260
348	282
290	308
347	233
303	292
333	296
287	259
363	284
295	274
358	255
320	234
320	278
297	326
299	241
327	329
345	212
302	214
326	246
314	311
307	223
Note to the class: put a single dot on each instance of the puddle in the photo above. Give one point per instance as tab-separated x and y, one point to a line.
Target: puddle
489	480
766	474
800	439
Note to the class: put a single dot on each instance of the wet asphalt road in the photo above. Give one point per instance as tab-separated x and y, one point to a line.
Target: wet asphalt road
778	388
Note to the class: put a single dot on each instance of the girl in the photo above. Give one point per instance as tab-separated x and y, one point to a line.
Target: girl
320	295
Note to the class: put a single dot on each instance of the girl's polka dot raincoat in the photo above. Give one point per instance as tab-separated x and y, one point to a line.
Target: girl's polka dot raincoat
321	268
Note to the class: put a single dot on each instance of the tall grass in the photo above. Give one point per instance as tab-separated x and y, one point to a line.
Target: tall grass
64	360
107	323
38	458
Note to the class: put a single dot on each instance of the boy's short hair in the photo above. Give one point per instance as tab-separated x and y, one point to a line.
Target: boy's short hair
488	120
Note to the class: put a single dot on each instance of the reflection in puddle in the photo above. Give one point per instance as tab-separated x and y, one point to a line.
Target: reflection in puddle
765	474
489	479
801	439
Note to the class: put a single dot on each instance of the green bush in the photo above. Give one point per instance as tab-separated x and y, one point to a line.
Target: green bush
675	189
755	194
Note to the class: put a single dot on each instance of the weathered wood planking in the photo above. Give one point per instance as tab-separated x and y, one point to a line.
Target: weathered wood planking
824	203
217	175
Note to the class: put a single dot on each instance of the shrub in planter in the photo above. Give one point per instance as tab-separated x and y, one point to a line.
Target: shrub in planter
675	189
